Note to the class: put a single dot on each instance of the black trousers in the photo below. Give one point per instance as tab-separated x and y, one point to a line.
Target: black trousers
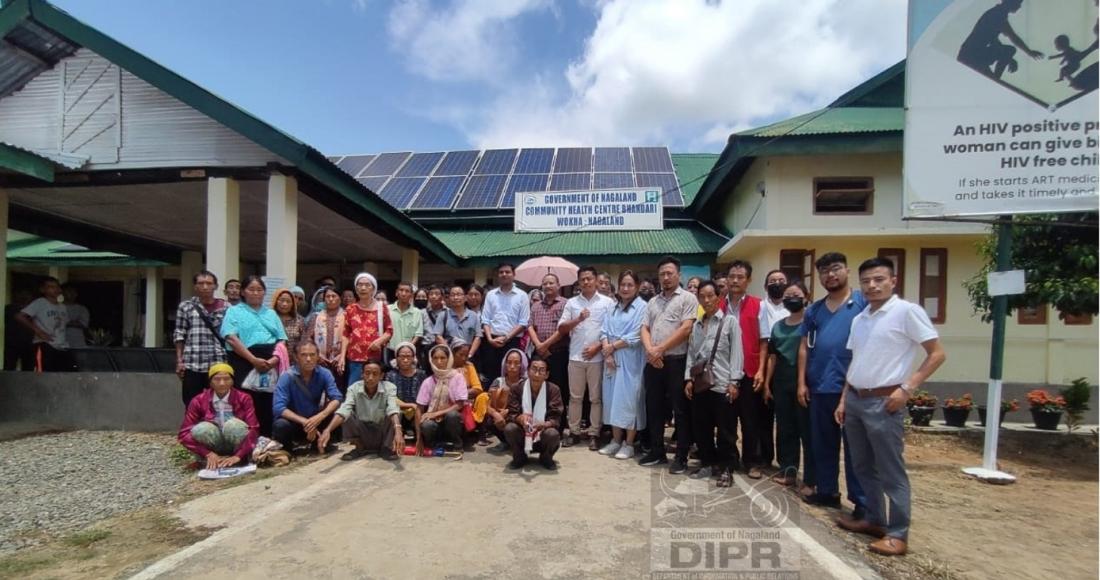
288	432
750	407
548	444
492	357
712	412
766	431
52	360
448	429
192	383
18	352
664	390
558	364
263	402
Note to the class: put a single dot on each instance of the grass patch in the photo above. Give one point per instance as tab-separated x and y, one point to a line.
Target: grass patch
180	456
86	538
23	564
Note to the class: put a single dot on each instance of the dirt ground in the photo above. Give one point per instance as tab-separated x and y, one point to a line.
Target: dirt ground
1043	525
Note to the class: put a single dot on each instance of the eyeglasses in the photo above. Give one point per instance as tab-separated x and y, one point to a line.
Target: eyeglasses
834	269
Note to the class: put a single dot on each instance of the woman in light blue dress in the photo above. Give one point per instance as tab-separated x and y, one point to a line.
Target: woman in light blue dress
624	360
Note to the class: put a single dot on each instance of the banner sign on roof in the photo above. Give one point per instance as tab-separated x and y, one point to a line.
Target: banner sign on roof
1001	107
589	211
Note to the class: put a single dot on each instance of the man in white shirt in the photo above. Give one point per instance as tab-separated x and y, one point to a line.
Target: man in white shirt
885	339
582	319
504	318
771	311
47	318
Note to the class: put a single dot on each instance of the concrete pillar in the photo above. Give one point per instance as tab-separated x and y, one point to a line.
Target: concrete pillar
223	228
190	264
131	309
481	275
410	266
4	279
59	272
282	228
154	321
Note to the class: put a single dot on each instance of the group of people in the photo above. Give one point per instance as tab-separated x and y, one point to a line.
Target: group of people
38	333
452	367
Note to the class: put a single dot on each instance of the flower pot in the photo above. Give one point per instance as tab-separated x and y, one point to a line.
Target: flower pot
981	416
955	417
1047	420
921	416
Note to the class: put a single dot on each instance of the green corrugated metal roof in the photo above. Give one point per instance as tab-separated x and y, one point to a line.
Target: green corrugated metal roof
19	160
692	169
677	240
835	121
31	249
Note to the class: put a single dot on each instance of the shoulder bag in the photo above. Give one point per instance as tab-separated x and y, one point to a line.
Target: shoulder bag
702	373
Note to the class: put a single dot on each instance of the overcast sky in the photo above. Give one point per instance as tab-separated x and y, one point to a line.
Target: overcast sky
362	76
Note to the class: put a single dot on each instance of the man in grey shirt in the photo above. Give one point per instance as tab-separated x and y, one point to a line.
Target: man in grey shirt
665	331
715	409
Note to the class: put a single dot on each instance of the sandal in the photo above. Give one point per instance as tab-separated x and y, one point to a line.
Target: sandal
755	473
784	480
354	454
725	479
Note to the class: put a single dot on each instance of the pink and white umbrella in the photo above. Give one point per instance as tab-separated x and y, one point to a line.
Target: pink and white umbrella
532	271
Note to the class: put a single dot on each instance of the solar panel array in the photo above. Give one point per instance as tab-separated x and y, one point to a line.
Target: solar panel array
490	179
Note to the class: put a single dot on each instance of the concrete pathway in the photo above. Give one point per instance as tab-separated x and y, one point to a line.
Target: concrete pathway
435	517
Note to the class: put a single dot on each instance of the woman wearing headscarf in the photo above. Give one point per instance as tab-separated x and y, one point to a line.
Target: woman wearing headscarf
326	330
441	398
252	333
624	361
367	328
285	305
513	371
408	378
220	425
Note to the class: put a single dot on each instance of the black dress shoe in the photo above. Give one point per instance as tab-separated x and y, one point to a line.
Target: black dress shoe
832	501
550	465
517	463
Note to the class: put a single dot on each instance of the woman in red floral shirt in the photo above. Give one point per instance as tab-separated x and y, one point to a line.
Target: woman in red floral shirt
367	328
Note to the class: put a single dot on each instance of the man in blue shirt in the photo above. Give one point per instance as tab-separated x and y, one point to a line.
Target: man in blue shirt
297	400
823	359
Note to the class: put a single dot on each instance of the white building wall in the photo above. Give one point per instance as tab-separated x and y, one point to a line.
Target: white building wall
86	107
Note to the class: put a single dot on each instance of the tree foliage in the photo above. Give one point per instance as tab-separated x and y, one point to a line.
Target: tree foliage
1060	261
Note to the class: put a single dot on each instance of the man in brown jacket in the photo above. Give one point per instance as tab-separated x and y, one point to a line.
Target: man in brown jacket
534	410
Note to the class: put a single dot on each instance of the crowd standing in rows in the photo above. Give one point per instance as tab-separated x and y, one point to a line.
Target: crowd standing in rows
446	369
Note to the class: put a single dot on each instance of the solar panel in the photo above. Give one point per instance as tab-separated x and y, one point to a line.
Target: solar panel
335	158
522	183
573	160
400	190
534	161
652	160
456	163
482	192
613	159
496	162
613	181
374	183
385	164
353	164
420	165
667	182
570	181
438	193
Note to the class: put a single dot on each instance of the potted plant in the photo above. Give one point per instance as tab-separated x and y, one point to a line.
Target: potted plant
1046	411
956	411
1006	406
922	405
1076	398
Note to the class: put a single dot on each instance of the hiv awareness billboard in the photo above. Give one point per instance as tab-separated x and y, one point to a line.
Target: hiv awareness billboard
1001	107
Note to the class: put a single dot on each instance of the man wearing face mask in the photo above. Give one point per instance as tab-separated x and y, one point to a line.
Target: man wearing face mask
771	311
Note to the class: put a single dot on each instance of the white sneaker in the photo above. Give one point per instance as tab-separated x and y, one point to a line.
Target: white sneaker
625	452
610	448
